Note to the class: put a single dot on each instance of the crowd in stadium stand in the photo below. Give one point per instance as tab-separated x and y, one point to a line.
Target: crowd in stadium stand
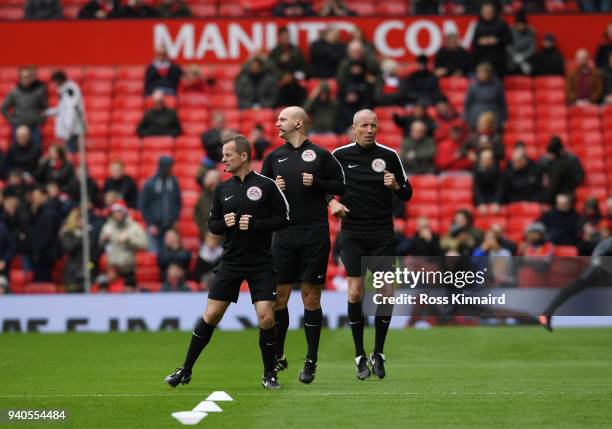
40	222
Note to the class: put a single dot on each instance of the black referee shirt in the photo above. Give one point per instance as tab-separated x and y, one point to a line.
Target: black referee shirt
308	204
370	202
259	197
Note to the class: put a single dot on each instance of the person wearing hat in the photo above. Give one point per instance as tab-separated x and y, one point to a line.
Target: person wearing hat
421	86
564	171
523	45
122	237
549	61
160	202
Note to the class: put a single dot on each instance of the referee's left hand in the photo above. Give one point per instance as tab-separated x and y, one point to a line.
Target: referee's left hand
307	179
390	181
244	222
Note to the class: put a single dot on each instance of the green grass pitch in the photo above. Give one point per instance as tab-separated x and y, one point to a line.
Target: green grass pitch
515	377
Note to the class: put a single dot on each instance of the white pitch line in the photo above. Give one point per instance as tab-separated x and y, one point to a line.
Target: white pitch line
313	394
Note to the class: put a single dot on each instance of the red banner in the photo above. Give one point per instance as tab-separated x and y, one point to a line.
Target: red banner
223	40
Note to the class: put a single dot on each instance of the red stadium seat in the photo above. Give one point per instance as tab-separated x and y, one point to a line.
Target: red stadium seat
129	87
549	97
328	141
128	102
454	84
100	73
519	97
427	210
100	88
456	181
125	143
523	111
517	83
41	288
163	144
131	72
589	110
566	251
188	143
524	209
546	83
203	10
93	102
519	125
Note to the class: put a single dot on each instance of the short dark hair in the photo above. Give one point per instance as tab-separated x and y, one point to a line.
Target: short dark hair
59	76
241	142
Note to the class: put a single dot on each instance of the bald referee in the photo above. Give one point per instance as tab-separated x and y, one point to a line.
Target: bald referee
245	209
373	174
306	173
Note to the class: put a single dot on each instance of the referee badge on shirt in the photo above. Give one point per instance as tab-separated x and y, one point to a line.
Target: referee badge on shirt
309	155
254	193
379	165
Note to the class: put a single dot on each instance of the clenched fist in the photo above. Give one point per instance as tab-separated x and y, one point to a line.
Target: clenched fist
230	219
244	222
390	181
280	182
307	179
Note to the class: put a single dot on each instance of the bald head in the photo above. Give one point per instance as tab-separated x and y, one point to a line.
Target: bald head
292	124
365	127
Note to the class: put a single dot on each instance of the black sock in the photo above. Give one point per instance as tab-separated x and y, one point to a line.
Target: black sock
381	324
199	339
267	344
281	318
313	319
355	316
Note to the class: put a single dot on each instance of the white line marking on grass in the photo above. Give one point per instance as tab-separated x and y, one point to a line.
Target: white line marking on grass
313	394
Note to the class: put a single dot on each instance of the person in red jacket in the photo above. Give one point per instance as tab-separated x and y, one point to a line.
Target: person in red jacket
454	153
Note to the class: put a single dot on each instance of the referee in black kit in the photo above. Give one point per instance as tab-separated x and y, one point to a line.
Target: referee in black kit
246	209
373	173
306	173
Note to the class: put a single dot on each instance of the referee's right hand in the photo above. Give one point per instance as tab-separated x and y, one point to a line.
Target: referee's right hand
280	182
230	219
338	209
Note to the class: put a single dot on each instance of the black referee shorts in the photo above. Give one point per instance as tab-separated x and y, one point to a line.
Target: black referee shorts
225	285
379	246
301	255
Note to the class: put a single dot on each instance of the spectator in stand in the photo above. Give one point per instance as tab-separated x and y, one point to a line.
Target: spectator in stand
537	245
162	74
43	9
194	82
606	75
26	103
595	5
369	49
175	280
522	180
523	45
286	57
491	38
452	59
122	237
59	202
506	243
418	150
605	48
562	222
356	84
208	181
160	202
487	136
326	54
160	120
293	8
487	185
546	160
336	8
8	248
70	117
462	237
322	109
485	94
388	88
97	9
424	242
420	86
16	216
208	258
549	61
121	183
561	172
174	9
172	253
133	9
211	138
259	141
55	167
473	7
19	183
589	239
73	190
496	259
419	113
591	213
24	154
71	238
446	118
584	84
290	92
454	153
255	85
426	7
45	225
357	53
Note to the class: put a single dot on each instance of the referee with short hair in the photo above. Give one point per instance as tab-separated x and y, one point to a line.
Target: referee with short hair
306	173
373	174
246	208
